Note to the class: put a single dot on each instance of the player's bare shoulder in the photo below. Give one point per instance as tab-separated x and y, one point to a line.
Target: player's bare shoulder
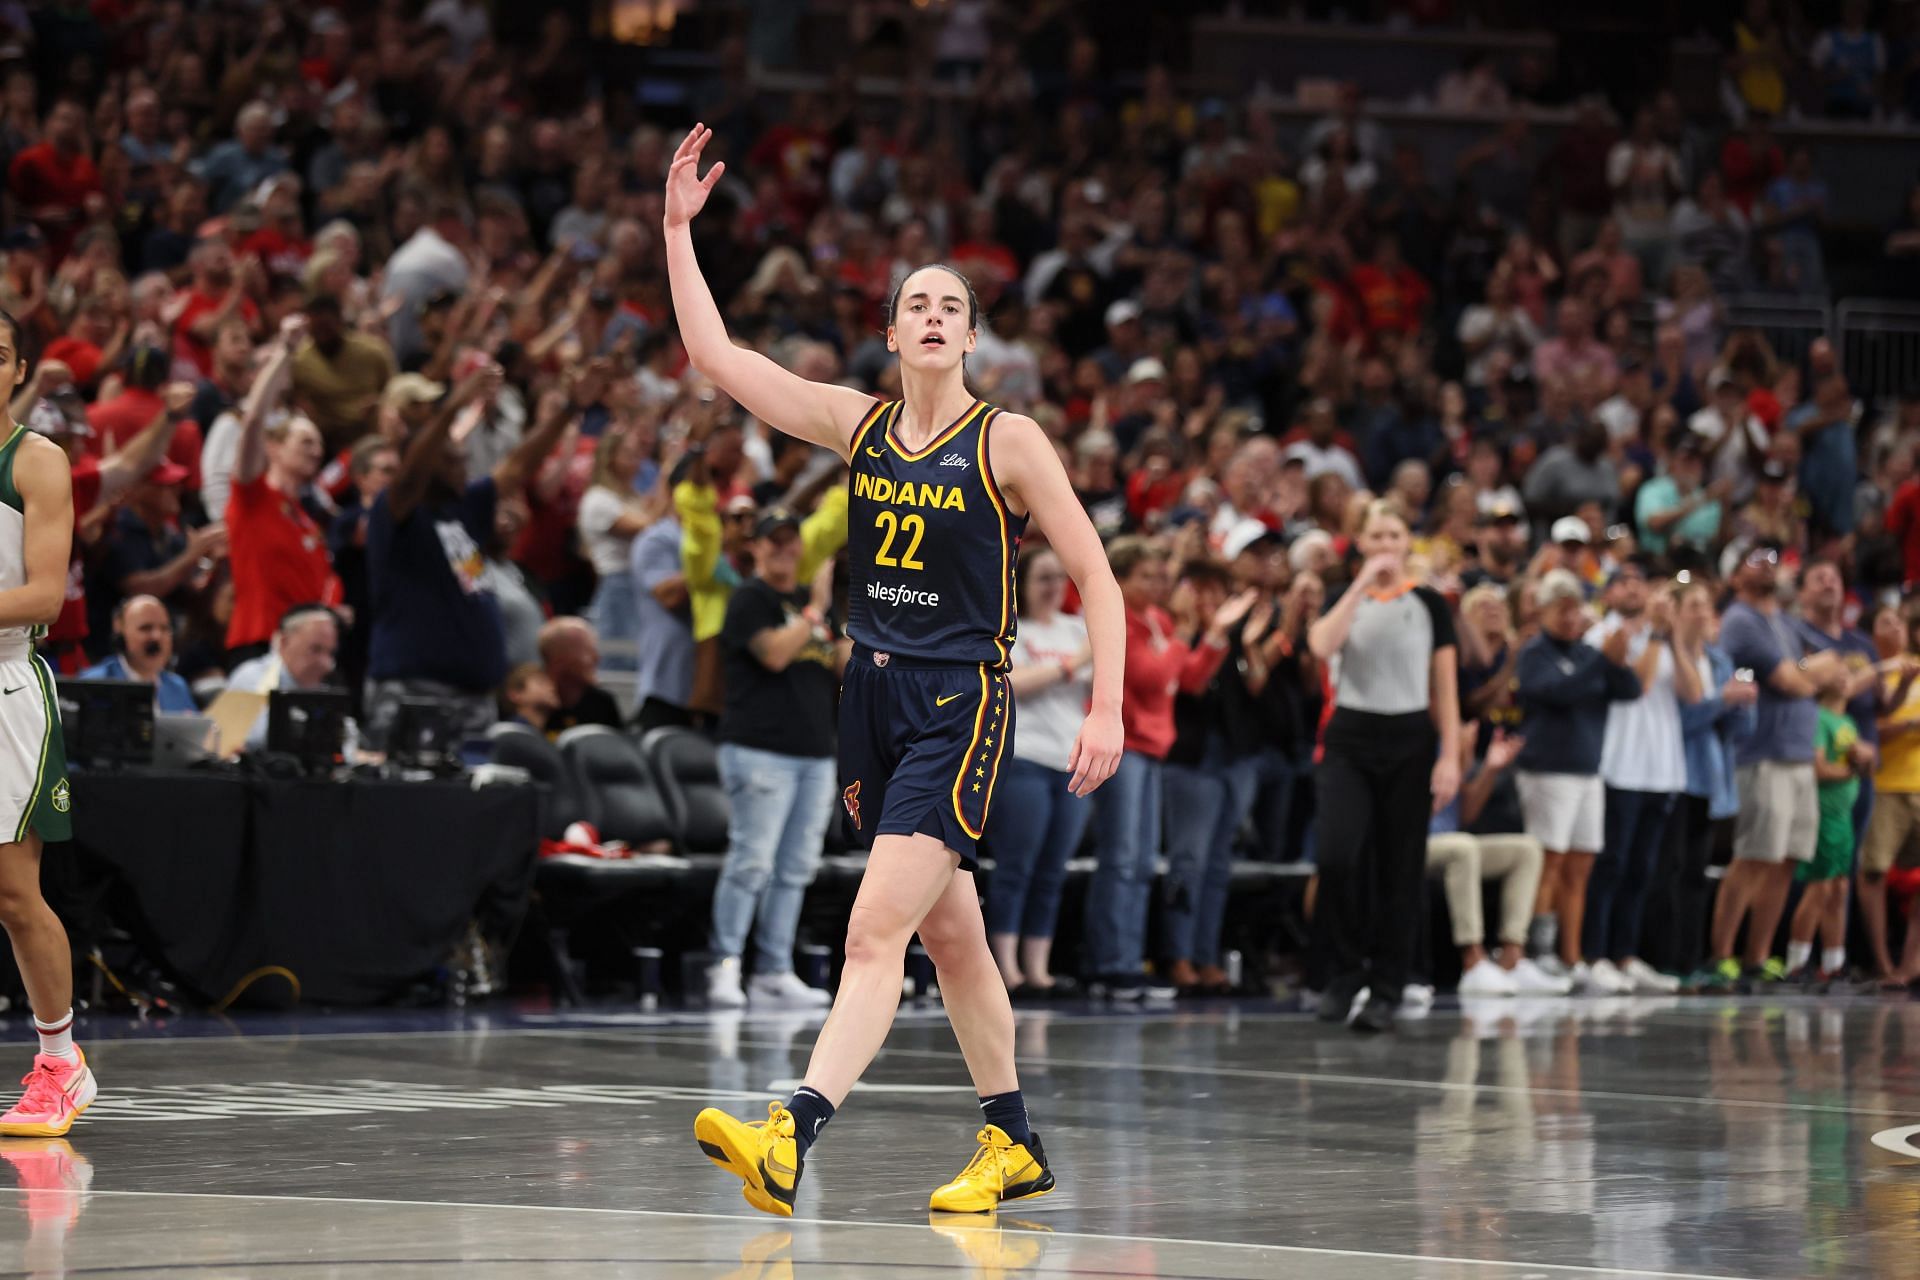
1018	447
42	472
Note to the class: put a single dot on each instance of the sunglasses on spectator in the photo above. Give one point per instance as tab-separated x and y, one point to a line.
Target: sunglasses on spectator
1763	558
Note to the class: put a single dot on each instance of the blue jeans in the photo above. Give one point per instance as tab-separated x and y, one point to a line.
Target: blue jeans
779	806
615	615
1617	889
1034	830
1126	836
1199	862
1205	809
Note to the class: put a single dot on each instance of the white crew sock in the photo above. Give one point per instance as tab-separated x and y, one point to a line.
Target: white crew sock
56	1038
1833	960
1798	953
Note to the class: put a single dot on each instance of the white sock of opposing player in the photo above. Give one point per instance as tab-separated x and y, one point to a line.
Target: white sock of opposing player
1798	954
56	1038
1833	959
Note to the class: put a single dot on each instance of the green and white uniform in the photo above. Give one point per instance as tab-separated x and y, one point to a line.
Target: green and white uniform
34	792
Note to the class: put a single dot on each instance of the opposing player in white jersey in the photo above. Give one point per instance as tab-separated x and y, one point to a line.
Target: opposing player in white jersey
36	538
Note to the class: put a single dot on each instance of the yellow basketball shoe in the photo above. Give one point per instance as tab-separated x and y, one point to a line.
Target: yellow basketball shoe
1000	1170
762	1154
999	1248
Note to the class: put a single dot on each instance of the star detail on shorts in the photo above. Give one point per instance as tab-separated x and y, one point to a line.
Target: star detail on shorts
976	788
979	773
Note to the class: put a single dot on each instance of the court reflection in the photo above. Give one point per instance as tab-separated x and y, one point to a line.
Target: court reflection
1674	1136
52	1179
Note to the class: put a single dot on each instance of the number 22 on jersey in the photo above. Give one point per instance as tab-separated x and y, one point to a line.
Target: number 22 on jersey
913	527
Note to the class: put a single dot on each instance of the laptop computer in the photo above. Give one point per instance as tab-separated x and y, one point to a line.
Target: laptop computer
180	741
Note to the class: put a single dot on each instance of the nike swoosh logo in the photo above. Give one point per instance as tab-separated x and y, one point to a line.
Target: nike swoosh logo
941	702
17	688
818	1122
876	453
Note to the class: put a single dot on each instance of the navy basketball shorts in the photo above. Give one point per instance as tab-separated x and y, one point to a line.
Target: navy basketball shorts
920	747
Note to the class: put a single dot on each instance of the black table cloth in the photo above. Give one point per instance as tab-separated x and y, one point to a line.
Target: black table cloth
360	887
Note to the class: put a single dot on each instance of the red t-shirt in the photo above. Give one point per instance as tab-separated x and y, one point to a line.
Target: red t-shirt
1391	301
281	254
41	176
1903	521
1154	675
186	346
126	415
279	558
78	355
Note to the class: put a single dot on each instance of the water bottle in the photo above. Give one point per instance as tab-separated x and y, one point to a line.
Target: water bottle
1233	967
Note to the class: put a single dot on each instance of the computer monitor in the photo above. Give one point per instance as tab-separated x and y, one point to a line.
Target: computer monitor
107	722
310	725
425	735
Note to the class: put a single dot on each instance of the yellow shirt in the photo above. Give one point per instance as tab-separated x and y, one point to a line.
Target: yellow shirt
822	534
1900	752
1760	82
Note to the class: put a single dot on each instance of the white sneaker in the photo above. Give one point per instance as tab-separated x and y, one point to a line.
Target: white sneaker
1646	978
1580	980
1487	979
1552	966
1416	998
723	984
1609	981
787	989
1530	979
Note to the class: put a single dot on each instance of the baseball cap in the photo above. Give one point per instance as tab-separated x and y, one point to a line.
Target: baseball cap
1501	512
1627	569
411	388
1719	378
1247	533
773	521
1571	529
168	474
1147	369
1120	312
1774	471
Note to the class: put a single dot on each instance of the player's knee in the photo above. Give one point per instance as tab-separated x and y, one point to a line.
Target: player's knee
945	944
872	939
18	904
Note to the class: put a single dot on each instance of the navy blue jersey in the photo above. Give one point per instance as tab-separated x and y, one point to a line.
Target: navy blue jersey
930	543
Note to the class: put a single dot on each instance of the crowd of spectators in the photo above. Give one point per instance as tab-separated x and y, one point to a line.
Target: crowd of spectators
361	314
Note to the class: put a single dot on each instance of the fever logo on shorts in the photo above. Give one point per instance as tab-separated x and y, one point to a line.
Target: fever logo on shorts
851	798
62	796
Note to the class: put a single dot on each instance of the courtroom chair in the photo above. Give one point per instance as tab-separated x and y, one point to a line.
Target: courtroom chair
523	747
623	798
608	906
688	766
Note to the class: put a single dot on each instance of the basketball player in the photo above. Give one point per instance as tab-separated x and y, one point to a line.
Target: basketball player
36	537
942	487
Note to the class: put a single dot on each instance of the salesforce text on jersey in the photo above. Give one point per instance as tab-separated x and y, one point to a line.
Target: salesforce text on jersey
890	594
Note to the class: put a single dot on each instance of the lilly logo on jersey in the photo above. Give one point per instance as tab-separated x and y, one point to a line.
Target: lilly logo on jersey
954	460
905	493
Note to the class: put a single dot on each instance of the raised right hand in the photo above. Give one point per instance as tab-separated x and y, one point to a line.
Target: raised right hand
1381	571
687	191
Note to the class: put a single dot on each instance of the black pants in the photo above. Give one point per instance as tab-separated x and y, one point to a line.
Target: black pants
1373	800
1673	935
